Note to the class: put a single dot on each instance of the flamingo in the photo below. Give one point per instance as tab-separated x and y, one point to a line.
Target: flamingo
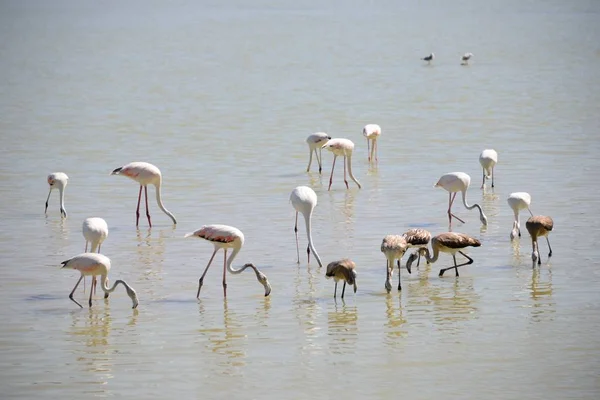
316	141
416	238
393	247
304	200
226	237
539	226
429	58
145	174
342	147
95	231
372	133
465	58
58	180
518	201
448	242
342	270
488	160
455	182
96	264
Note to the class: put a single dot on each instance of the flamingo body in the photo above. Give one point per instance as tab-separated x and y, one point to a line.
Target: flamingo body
372	132
59	181
304	200
393	247
488	160
315	142
453	183
518	201
342	270
342	147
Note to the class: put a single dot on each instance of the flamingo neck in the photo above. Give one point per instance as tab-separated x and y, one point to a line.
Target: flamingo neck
161	205
482	216
61	193
130	291
349	163
307	220
436	254
230	268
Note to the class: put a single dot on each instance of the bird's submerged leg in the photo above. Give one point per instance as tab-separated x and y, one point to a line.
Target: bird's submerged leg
492	176
319	159
335	290
345	180
147	209
399	277
388	277
201	280
308	253
92	291
73	291
548	241
332	168
137	211
224	272
296	232
343	289
368	150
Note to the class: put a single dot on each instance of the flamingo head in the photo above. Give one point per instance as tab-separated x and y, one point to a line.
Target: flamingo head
262	278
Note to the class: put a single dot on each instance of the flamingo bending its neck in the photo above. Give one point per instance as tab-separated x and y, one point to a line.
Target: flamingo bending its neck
372	133
539	226
342	270
488	160
95	231
518	201
304	200
58	180
453	183
393	247
316	141
342	147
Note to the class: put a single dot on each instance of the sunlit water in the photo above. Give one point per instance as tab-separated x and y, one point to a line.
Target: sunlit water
221	96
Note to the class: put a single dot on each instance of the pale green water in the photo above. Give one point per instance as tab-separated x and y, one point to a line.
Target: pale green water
221	97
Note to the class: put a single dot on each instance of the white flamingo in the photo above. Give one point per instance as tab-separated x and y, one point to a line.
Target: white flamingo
315	142
95	231
518	201
91	264
342	147
227	237
145	174
372	133
455	182
304	200
58	180
488	160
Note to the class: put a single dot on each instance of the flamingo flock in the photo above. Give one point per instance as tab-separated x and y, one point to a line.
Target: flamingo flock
304	201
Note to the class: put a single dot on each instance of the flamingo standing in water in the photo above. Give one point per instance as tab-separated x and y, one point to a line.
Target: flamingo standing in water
227	237
518	201
316	141
342	270
145	174
372	133
304	200
95	231
429	58
58	180
416	238
539	226
393	247
465	58
455	182
449	242
342	147
488	160
96	264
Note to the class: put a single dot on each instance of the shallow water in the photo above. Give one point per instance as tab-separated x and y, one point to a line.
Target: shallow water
221	97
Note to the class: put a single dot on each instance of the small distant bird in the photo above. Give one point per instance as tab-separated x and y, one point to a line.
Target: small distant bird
316	141
342	147
429	58
372	133
393	247
518	201
416	238
539	226
304	200
96	264
488	160
449	242
465	58
58	180
455	182
227	237
95	231
145	174
344	270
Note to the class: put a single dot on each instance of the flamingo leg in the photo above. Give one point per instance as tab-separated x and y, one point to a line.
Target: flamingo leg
399	277
335	290
389	265
224	272
319	159
47	199
309	159
201	280
456	266
73	291
345	180
308	253
343	289
147	209
137	211
492	176
86	246
92	291
483	179
332	168
296	232
376	151
368	150
548	241
450	201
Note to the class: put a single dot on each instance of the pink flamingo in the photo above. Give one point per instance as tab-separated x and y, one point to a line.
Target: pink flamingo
304	200
227	237
342	147
58	180
145	174
316	141
372	133
455	182
96	264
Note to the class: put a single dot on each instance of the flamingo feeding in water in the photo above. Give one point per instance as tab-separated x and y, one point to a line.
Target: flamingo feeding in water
58	180
304	200
342	147
416	238
372	133
518	201
95	231
315	142
449	242
342	270
227	237
539	226
455	182
96	264
145	174
393	247
488	160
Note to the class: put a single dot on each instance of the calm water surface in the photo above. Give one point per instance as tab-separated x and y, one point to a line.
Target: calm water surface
221	96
